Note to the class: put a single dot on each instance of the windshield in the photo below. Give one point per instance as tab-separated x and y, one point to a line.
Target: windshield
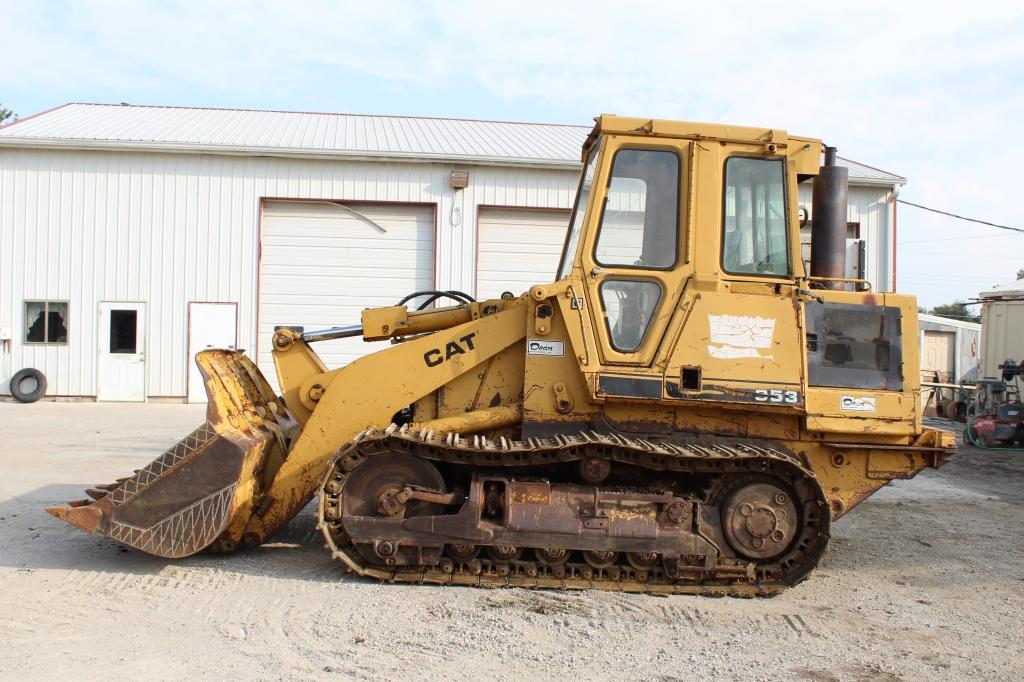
572	240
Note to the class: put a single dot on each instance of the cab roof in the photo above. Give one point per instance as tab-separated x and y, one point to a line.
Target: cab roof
655	127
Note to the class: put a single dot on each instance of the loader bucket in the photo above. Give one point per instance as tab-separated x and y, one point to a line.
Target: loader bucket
201	492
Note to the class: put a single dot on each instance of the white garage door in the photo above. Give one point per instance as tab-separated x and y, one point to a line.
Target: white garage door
321	264
518	248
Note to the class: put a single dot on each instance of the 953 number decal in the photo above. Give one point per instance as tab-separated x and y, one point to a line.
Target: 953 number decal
776	396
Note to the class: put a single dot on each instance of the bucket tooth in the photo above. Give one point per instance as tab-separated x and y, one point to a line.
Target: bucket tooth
59	511
111	486
80	513
96	494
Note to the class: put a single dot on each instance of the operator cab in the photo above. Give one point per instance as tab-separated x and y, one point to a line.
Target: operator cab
637	240
684	250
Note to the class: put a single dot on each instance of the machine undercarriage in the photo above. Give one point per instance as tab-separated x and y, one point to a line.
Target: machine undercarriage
586	510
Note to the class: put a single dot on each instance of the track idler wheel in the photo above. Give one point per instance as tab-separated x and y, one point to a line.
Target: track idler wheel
373	480
760	519
371	490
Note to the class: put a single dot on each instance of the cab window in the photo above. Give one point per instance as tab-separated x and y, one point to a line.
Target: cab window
640	220
754	232
572	238
629	306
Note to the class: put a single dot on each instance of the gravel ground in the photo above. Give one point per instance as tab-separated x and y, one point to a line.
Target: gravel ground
924	581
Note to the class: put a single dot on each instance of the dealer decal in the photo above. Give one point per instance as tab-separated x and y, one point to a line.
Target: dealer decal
544	347
850	403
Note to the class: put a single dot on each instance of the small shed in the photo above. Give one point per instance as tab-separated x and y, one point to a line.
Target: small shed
1002	322
950	354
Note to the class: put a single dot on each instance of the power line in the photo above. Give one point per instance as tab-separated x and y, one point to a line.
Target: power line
960	217
953	239
946	278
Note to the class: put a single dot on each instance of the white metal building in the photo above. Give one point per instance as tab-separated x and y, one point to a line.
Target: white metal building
131	237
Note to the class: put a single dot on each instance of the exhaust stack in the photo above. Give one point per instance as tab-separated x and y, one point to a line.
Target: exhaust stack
828	226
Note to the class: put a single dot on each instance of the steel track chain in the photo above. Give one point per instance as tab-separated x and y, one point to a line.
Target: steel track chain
731	578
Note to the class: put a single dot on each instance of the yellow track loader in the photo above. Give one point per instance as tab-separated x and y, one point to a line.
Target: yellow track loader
684	410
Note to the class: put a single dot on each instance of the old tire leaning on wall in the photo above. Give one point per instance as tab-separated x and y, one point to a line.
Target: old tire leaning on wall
23	377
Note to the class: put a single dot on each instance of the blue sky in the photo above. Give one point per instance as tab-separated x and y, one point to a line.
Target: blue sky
933	91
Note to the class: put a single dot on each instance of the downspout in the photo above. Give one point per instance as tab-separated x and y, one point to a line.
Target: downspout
895	194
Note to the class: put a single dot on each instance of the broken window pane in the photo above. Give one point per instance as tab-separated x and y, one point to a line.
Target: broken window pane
123	331
35	322
46	322
56	322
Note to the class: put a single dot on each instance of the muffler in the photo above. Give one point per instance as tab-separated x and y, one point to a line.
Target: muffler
828	222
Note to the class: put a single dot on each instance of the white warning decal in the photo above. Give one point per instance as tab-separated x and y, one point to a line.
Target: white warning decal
850	403
540	347
740	336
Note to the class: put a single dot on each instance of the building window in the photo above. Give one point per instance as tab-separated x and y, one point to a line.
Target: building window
123	326
46	321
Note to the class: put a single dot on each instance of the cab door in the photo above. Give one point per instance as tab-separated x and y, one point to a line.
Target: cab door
634	260
742	340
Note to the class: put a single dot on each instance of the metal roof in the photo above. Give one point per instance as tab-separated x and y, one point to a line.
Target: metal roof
299	133
869	175
290	133
948	322
1010	290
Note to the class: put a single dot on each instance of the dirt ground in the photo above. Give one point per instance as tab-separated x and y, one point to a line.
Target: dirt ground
924	581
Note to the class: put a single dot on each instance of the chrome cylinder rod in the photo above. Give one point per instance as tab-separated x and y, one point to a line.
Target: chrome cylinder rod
333	333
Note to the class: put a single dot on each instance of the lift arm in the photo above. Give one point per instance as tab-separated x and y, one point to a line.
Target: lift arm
342	405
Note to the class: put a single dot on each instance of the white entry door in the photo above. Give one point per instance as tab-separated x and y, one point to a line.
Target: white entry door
210	325
122	358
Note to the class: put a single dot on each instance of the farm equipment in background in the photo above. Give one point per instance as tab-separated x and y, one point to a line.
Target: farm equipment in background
996	415
684	410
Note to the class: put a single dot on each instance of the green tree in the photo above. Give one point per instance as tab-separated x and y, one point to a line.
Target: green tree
956	310
1020	274
6	114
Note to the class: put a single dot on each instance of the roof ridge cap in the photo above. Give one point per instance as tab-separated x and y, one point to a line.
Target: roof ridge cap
319	113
